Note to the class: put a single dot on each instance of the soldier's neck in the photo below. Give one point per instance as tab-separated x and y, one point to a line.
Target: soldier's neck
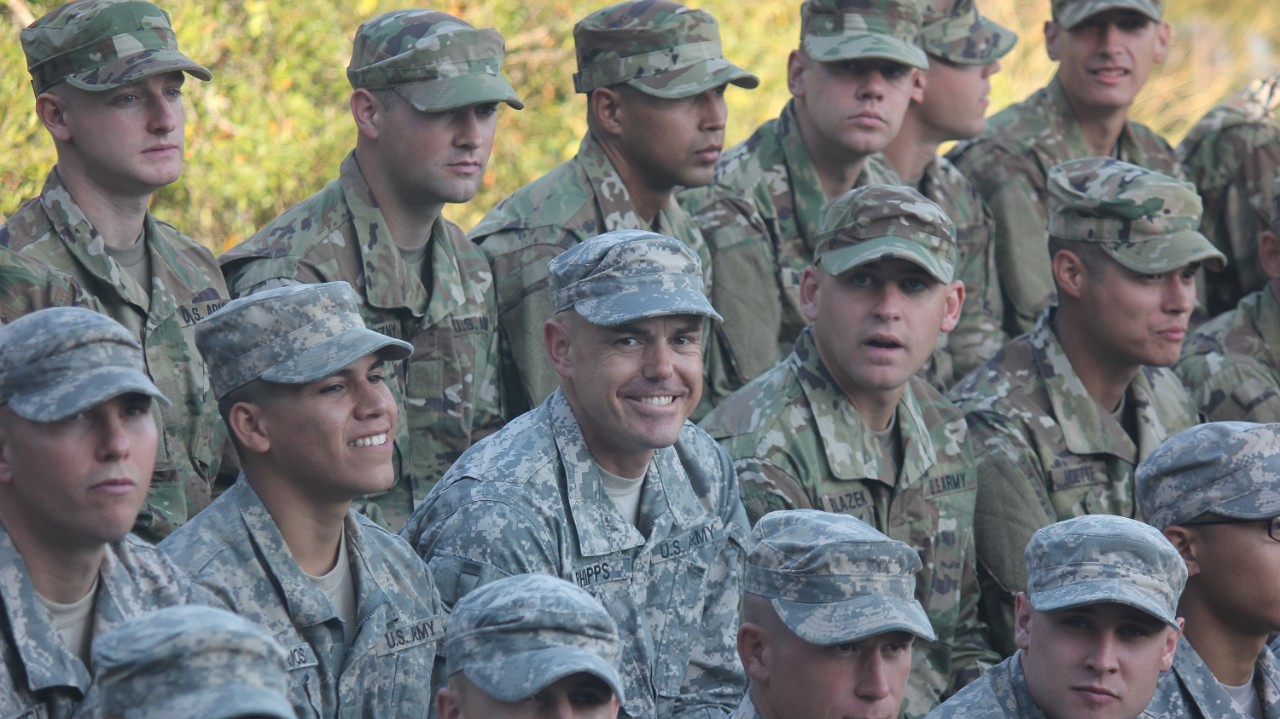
647	198
1101	127
61	573
1105	381
311	527
408	219
118	217
913	150
838	168
1228	652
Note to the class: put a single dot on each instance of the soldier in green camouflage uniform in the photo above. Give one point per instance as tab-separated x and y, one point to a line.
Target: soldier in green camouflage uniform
27	286
761	214
1233	155
659	65
1062	416
838	426
1078	115
91	220
419	76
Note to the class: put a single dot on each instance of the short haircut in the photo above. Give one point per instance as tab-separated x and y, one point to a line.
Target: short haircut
1092	256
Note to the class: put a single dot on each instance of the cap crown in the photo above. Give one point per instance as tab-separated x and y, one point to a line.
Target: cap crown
1069	13
955	31
407	46
876	221
833	30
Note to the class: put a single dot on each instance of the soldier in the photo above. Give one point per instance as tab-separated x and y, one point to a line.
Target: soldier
108	79
77	445
425	103
605	484
654	79
531	645
851	79
1105	50
1214	490
829	618
1062	416
1096	626
299	380
28	286
844	424
964	50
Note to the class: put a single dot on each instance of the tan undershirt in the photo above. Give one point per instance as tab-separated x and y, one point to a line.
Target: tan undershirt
74	622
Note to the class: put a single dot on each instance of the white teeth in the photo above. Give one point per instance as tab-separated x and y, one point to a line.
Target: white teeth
373	441
658	401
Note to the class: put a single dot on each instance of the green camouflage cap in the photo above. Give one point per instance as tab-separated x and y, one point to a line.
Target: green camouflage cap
432	59
832	578
955	31
1226	468
289	335
1069	13
835	30
98	45
60	361
516	636
191	661
876	222
628	275
1146	221
659	47
1103	558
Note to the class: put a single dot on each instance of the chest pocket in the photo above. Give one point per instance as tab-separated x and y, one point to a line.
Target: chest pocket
1076	486
399	674
679	586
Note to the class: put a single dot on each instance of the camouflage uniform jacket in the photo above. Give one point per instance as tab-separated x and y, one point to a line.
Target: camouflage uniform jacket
745	710
446	392
1190	691
234	550
40	678
1009	165
576	201
798	442
186	286
1046	452
1233	155
1231	365
529	499
28	286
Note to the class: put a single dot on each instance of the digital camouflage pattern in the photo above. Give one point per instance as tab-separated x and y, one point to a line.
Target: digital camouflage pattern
27	286
529	499
1191	691
186	286
447	392
745	710
234	550
1230	365
955	31
837	30
1069	13
1000	693
879	222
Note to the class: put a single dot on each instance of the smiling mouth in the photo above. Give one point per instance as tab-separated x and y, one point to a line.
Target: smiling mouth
657	401
372	441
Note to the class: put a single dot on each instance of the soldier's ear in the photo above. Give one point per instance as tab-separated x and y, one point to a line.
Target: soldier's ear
955	302
1164	34
248	422
605	106
1052	34
1022	612
559	343
1171	645
797	65
810	284
1187	542
448	704
919	82
367	111
1269	254
753	651
1069	273
52	110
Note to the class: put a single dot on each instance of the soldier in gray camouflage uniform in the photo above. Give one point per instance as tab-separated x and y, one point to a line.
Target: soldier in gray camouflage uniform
654	78
607	485
27	286
1214	490
422	79
856	57
1062	416
191	661
299	380
844	424
77	445
828	618
531	645
1105	50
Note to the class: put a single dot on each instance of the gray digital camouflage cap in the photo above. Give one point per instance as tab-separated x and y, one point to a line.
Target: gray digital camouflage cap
514	637
61	361
876	222
1069	13
289	335
832	578
432	59
836	30
1103	558
98	45
1146	221
1226	468
191	661
659	47
628	275
955	31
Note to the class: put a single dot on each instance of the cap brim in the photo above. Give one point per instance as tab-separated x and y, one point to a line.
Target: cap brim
837	262
462	91
1100	591
88	389
983	46
136	67
1261	503
864	46
849	621
1173	251
621	308
695	80
335	353
521	675
225	702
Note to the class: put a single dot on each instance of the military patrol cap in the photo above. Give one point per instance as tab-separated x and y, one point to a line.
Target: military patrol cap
876	222
955	31
1069	13
835	30
659	47
514	637
289	335
191	661
1102	558
1146	221
832	578
60	361
1226	468
98	45
432	59
628	275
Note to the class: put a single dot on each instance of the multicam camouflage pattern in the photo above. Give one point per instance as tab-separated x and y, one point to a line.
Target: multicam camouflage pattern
955	31
1000	693
1191	691
1231	364
529	499
877	222
191	661
838	30
186	286
514	637
234	550
1046	451
447	392
1069	13
27	286
1009	165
